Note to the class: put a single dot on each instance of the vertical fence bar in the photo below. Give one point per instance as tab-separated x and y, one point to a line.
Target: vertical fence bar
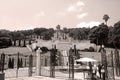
17	65
116	52
3	61
12	63
24	43
53	61
72	68
14	42
30	42
25	61
104	60
71	64
112	65
30	65
19	42
38	62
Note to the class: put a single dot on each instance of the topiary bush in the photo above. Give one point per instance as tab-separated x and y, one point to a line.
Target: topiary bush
5	42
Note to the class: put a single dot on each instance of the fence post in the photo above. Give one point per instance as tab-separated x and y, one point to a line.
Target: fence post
12	63
3	61
30	65
116	52
104	60
21	63
112	65
9	62
30	42
17	64
24	43
25	61
53	61
71	64
19	42
14	42
75	51
38	62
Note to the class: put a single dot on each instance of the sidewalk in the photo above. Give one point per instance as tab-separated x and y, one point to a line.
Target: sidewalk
10	74
39	78
117	78
34	78
45	78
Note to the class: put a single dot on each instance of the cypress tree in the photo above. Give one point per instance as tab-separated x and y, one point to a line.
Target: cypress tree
24	43
19	42
14	42
25	61
21	63
12	63
29	42
18	63
9	63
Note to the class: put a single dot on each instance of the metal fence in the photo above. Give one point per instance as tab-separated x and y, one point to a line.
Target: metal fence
54	63
17	65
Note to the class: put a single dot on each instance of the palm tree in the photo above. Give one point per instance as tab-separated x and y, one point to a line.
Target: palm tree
106	17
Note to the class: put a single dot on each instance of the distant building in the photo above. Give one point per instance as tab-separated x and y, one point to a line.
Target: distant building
59	35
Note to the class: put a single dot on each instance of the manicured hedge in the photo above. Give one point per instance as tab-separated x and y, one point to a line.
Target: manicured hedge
5	42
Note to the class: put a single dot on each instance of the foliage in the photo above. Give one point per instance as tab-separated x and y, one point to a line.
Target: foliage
79	33
102	34
45	33
90	49
99	34
5	42
27	32
108	36
39	31
17	35
4	33
44	49
5	39
106	17
114	36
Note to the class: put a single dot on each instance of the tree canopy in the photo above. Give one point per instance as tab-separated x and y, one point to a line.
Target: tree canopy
106	17
114	36
99	34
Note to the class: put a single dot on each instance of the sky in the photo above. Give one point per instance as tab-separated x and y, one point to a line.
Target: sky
29	14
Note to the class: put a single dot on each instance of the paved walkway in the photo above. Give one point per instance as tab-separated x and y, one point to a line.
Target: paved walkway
35	78
46	78
10	74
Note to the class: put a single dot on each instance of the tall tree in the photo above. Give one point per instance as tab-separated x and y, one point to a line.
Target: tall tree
4	33
106	17
114	38
78	33
99	35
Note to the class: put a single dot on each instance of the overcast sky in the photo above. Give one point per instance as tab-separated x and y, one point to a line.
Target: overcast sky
28	14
